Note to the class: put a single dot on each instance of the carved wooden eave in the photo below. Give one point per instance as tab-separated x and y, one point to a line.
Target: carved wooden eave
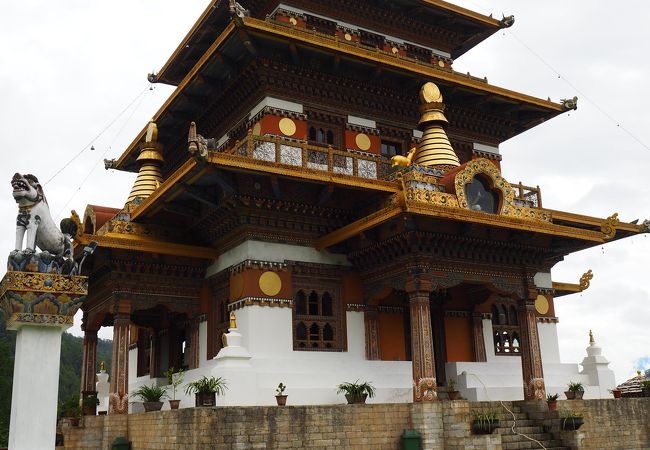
259	29
215	18
141	244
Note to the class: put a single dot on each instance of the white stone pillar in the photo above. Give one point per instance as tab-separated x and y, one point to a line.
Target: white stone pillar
39	306
36	388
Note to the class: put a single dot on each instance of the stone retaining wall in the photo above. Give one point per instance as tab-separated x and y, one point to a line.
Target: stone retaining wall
609	424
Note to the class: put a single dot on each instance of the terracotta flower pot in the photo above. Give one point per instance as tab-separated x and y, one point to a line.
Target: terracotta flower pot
552	406
174	404
281	399
579	394
570	395
152	406
616	393
453	395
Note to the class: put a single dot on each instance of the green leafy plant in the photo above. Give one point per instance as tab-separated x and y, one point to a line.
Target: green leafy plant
552	397
576	387
149	394
174	379
356	389
571	420
485	422
205	385
70	408
280	389
451	384
645	384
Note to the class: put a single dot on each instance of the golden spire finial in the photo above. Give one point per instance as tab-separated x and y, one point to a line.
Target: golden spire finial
233	320
638	372
434	149
591	338
102	366
149	177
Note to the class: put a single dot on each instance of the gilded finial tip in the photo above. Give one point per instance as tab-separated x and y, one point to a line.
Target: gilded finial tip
430	93
152	132
591	338
233	320
102	366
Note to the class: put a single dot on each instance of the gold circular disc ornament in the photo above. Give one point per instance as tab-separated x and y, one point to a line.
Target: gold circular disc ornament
441	63
236	286
363	141
270	283
430	93
287	126
347	36
395	50
257	129
541	304
293	21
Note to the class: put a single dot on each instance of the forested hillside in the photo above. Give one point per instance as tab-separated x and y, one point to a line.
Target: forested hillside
69	376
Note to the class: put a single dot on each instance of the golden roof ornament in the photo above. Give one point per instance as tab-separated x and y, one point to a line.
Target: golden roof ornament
102	366
434	149
591	338
638	372
233	320
149	177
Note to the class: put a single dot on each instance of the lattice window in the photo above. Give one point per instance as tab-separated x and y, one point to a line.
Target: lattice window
505	329
316	321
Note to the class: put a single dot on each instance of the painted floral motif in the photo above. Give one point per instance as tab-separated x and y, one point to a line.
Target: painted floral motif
290	155
264	151
316	160
367	169
343	164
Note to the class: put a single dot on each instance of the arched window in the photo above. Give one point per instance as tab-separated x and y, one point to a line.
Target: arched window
301	303
321	311
327	305
505	327
320	136
313	304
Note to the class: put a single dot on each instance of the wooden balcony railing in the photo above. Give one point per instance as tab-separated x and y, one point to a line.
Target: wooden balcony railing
296	153
527	196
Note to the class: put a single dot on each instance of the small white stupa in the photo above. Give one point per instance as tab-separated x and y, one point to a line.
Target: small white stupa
596	367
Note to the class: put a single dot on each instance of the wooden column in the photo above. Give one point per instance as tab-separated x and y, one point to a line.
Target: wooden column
193	344
531	356
371	321
88	372
424	373
119	387
154	354
477	337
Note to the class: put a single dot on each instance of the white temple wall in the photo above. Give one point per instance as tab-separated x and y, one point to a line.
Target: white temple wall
548	342
203	343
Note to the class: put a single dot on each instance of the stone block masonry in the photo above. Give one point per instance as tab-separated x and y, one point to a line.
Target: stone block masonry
609	424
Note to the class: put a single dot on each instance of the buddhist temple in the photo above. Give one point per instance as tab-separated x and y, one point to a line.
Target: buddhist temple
323	175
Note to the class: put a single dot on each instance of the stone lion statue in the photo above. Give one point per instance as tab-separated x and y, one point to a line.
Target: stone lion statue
34	224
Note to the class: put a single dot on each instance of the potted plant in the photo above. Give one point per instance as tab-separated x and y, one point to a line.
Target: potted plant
151	396
356	392
89	403
575	391
452	393
485	423
616	392
571	420
280	397
206	389
174	379
551	399
70	410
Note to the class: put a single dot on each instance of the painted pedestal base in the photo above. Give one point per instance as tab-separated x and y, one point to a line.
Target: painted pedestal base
35	388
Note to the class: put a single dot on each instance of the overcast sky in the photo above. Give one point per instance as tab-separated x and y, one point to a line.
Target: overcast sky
69	68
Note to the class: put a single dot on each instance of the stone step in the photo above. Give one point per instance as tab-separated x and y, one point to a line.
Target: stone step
528	444
519	423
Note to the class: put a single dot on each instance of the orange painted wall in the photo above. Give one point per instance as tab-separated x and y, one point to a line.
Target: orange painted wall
350	142
352	289
251	279
458	337
391	337
271	124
